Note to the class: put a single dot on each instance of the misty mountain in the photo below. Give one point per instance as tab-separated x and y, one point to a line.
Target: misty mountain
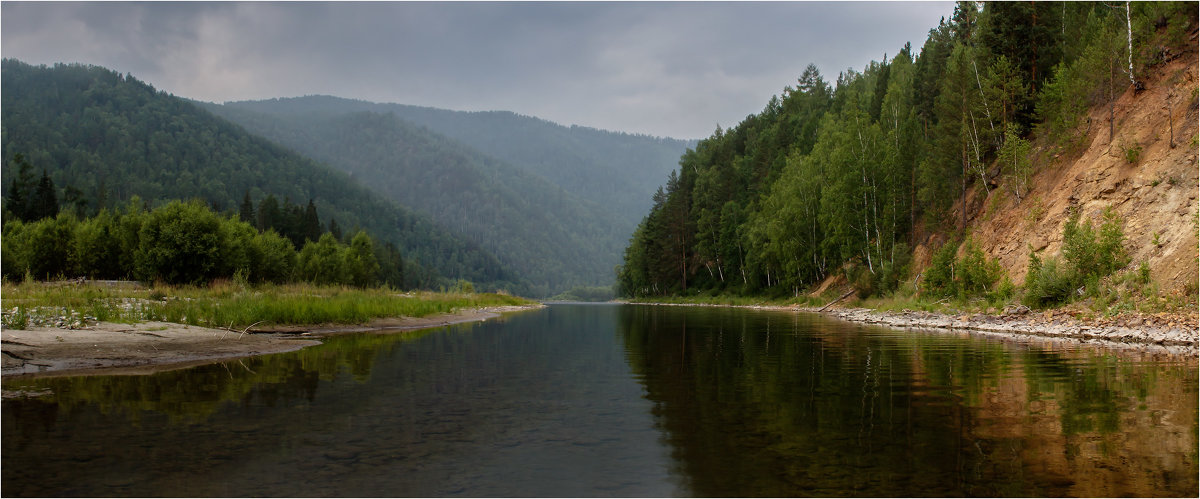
554	238
618	171
112	137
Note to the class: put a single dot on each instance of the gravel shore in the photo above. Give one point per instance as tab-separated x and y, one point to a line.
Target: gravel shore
1179	332
110	348
1140	331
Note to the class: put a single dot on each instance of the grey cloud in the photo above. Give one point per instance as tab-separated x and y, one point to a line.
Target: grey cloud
673	69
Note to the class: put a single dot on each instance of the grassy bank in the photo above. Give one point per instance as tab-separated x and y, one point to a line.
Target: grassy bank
224	304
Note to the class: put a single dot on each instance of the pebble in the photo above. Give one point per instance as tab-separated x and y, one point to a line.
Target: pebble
1170	335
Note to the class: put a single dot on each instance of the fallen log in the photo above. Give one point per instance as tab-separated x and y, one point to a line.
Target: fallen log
840	298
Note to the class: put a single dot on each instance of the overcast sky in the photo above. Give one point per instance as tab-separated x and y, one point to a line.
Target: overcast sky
666	69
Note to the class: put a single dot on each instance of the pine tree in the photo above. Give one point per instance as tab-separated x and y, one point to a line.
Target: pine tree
20	192
247	209
311	224
44	203
335	229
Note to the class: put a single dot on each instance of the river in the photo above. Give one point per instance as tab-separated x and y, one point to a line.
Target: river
623	400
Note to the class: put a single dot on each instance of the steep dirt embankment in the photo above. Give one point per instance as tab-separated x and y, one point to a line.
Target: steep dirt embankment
1155	195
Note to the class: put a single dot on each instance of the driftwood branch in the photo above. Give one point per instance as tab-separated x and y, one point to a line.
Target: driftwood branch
840	298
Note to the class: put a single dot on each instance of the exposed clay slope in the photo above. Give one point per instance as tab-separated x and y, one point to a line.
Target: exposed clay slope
1155	195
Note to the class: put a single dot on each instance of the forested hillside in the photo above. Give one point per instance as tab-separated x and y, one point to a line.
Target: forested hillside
553	238
618	171
847	177
103	138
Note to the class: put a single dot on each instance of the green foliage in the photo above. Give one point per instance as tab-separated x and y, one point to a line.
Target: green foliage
187	243
1088	257
116	138
179	244
1093	254
1015	163
978	274
361	265
27	200
896	146
323	262
96	247
223	305
275	257
1047	283
973	276
1143	272
940	275
463	286
1133	154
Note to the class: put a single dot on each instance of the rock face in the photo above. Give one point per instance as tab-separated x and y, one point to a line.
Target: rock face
1155	194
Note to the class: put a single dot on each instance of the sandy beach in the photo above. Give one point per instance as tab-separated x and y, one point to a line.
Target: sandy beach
149	347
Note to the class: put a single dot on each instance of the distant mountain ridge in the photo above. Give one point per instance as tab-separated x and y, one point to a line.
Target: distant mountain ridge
551	237
556	203
113	137
620	171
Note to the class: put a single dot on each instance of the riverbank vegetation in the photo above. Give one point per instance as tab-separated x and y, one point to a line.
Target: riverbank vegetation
843	182
188	243
225	304
98	138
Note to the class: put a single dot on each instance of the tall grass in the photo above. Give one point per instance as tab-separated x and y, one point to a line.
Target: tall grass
236	305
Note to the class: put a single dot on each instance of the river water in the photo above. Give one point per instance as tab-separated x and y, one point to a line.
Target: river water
623	400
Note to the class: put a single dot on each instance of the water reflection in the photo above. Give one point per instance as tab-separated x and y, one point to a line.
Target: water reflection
541	404
771	404
622	401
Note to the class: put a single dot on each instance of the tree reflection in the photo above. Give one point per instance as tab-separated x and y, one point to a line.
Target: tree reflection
779	404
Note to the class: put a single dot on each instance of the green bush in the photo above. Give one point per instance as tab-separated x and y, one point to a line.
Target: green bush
96	247
1132	154
978	274
49	246
179	243
322	262
276	257
939	277
892	272
1093	255
361	264
14	250
1089	256
1047	283
463	286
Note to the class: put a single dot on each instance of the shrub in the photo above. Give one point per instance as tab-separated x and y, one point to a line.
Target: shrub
892	272
49	246
96	247
939	277
276	257
361	264
14	250
1090	254
322	262
179	243
464	286
1132	154
978	273
862	280
1047	283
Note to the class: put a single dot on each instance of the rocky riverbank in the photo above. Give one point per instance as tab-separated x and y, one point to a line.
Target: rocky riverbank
1179	331
1172	330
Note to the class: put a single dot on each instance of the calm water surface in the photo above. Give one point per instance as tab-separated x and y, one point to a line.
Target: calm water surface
607	400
